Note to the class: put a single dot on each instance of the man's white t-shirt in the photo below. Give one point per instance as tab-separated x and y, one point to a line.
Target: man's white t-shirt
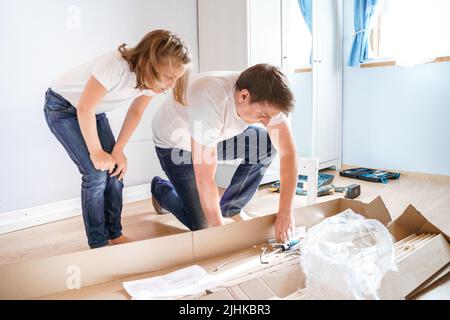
112	71
209	117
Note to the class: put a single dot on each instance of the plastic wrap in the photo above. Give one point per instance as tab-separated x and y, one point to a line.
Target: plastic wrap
346	256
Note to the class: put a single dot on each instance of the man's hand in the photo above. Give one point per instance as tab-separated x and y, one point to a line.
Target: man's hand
121	162
283	141
284	226
205	163
103	161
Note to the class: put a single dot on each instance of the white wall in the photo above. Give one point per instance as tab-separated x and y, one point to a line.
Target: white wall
395	117
41	39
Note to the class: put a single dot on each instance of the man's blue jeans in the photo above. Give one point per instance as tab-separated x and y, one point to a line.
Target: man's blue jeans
180	196
101	195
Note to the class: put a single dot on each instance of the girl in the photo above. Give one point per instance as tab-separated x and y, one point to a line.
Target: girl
75	106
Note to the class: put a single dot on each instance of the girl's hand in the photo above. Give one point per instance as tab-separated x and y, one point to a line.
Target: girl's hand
103	161
121	162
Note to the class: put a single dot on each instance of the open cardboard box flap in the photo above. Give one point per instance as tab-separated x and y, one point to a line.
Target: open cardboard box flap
46	276
409	222
412	221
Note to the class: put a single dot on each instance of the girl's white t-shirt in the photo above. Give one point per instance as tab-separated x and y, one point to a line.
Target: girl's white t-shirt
112	71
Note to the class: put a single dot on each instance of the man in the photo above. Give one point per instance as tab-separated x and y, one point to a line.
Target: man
215	124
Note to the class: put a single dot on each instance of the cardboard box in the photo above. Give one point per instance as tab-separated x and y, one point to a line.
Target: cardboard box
101	272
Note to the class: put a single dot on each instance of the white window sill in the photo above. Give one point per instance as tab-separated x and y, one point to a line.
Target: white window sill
376	63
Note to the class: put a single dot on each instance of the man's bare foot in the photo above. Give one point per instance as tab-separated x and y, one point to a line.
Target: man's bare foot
227	220
242	216
120	240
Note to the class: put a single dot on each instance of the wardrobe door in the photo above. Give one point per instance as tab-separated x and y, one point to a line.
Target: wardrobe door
327	82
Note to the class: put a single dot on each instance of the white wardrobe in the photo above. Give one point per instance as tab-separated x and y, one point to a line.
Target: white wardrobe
236	34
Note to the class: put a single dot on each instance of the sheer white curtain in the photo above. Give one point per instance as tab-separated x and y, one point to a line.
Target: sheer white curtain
415	31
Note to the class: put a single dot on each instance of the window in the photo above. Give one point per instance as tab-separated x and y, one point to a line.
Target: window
411	31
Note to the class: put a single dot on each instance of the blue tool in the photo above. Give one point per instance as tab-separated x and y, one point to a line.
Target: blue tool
290	244
284	246
323	180
277	247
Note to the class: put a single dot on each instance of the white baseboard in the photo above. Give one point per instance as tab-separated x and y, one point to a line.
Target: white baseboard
29	217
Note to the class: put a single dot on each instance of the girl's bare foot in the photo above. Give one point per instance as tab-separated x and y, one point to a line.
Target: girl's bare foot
120	240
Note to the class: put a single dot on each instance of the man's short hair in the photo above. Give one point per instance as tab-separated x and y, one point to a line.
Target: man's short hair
266	83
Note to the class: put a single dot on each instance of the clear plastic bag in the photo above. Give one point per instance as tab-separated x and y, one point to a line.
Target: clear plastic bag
345	257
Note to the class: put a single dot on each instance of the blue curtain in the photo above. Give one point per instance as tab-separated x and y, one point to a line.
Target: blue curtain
306	9
364	12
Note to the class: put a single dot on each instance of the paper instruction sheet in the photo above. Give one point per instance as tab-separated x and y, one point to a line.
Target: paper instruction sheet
182	282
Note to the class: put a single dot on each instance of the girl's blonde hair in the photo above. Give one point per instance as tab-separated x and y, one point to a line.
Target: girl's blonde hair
158	48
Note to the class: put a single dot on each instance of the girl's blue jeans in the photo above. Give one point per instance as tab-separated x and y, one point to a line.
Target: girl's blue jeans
101	194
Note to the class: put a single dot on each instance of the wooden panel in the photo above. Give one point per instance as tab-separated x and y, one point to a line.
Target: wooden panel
444	272
416	268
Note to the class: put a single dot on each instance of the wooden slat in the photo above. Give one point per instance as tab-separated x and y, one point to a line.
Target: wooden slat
398	244
415	246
